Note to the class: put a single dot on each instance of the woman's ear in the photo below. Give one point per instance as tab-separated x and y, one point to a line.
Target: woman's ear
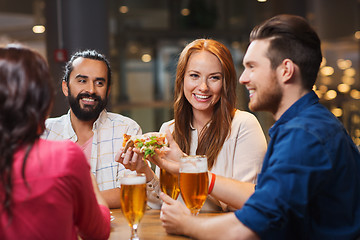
65	88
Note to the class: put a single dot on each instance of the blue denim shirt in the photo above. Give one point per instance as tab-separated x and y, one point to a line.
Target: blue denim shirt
309	186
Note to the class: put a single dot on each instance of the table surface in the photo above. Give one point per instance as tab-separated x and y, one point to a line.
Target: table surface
149	228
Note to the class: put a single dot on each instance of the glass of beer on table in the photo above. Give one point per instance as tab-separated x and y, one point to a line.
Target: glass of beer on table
133	200
169	184
194	181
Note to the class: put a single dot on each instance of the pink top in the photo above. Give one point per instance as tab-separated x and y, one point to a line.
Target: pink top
59	202
86	147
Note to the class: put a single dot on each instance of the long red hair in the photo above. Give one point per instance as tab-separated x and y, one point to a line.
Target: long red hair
211	138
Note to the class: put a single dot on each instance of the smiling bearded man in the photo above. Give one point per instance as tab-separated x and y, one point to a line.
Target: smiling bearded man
86	84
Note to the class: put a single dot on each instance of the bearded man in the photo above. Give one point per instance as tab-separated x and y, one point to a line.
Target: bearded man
86	85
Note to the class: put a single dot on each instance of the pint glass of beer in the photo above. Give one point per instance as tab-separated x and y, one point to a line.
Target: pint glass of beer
194	181
169	183
133	200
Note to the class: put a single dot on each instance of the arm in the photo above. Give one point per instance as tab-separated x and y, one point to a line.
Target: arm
245	157
97	192
224	187
176	219
91	214
111	197
232	192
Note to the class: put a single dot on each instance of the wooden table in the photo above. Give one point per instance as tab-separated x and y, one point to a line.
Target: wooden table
149	228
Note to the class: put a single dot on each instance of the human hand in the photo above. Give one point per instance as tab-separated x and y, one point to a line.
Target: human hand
131	160
168	158
173	214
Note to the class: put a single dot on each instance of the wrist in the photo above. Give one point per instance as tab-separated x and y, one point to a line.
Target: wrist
212	183
148	173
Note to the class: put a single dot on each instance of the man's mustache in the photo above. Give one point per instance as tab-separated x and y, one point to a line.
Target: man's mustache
87	95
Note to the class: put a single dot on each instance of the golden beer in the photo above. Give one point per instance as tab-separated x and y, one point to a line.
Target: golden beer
194	189
169	184
133	198
194	181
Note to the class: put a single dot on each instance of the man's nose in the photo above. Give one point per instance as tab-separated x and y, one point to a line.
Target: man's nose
243	78
91	88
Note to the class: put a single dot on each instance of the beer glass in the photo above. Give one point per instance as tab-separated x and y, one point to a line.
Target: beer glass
194	181
133	200
169	183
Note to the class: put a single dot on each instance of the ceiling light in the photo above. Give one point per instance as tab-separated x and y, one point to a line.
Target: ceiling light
38	29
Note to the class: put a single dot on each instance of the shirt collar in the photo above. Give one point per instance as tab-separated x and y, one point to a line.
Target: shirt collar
100	120
304	102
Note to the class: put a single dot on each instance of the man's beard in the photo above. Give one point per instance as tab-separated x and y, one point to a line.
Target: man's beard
89	112
269	99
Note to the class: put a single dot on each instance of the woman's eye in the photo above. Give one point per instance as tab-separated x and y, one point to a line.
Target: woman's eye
193	75
215	77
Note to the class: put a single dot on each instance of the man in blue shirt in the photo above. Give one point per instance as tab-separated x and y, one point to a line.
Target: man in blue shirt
309	186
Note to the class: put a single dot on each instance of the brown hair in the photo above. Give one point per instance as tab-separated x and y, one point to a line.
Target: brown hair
211	138
291	37
26	95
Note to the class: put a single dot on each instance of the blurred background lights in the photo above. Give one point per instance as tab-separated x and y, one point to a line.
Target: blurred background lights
146	57
343	64
348	80
331	94
185	12
261	0
123	9
355	94
343	88
38	29
326	80
327	71
357	133
133	49
236	44
337	112
356	119
357	35
323	89
350	72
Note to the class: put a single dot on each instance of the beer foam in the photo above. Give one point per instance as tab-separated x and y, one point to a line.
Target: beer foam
133	180
193	164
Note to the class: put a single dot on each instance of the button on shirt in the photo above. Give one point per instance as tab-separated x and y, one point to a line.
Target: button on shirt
108	130
309	186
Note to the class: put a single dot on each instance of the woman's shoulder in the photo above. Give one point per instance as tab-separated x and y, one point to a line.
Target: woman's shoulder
243	116
57	145
65	150
169	124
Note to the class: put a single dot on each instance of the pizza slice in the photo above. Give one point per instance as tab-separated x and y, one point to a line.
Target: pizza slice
147	143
